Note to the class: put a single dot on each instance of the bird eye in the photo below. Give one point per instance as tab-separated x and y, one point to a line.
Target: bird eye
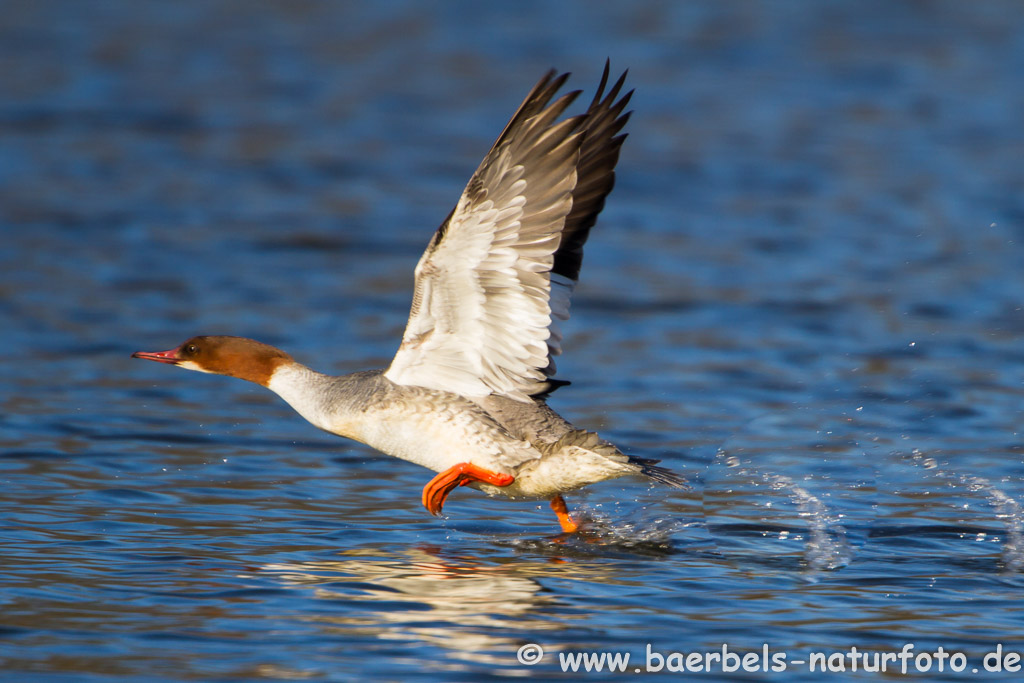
191	349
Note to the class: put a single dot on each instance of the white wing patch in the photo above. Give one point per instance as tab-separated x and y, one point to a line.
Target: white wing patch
486	302
484	317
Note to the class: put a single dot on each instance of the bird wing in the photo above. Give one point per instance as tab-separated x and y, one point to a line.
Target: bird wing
498	274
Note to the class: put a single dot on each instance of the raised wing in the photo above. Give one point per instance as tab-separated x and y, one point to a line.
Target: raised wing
498	274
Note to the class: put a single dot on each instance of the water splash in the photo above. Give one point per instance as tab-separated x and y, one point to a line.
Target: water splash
827	546
1008	510
625	532
619	534
792	488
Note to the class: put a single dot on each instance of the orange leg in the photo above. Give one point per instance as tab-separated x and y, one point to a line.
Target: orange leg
438	488
568	525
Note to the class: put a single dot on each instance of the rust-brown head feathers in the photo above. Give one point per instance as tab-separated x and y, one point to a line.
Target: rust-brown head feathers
235	356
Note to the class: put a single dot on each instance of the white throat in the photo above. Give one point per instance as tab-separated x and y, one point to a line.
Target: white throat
302	389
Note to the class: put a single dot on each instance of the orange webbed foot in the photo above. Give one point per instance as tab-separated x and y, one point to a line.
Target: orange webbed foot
437	489
569	525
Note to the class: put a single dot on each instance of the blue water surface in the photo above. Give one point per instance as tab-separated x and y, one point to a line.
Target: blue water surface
806	294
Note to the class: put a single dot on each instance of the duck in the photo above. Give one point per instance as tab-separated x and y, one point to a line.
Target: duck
466	394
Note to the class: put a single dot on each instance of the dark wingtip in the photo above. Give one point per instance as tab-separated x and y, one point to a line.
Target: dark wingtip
604	82
547	387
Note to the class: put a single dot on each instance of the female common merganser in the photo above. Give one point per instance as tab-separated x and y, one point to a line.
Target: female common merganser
466	393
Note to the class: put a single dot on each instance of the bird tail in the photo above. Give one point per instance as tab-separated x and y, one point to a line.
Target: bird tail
626	464
663	475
